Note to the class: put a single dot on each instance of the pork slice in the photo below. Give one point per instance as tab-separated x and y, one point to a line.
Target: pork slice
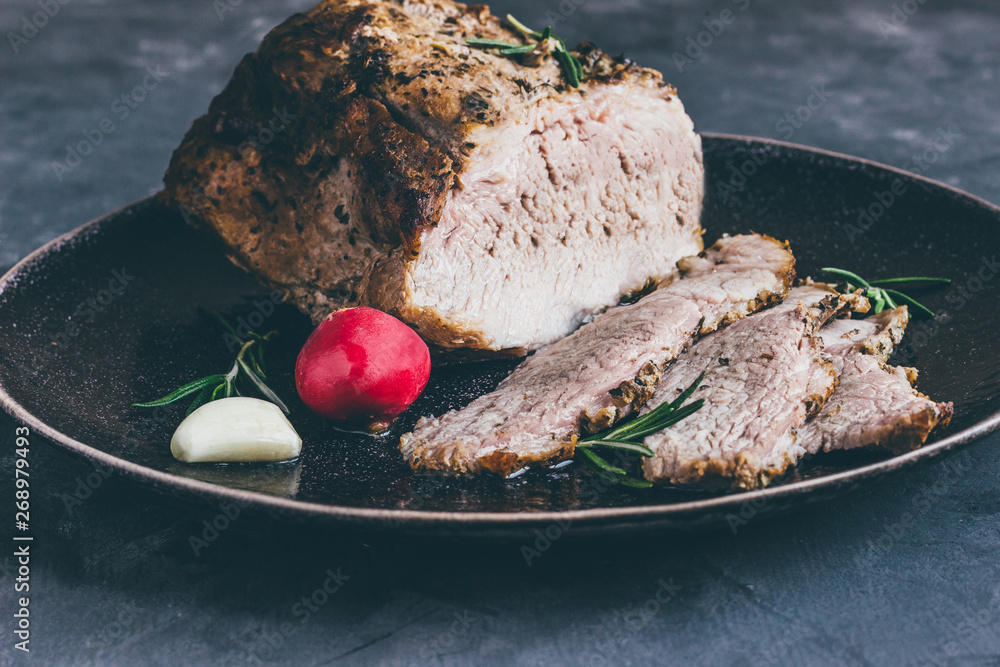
367	155
606	369
764	376
875	404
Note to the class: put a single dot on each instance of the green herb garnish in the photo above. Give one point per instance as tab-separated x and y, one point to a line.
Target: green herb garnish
628	437
570	64
249	366
882	297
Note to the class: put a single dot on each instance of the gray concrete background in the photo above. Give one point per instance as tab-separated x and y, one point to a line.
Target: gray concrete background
904	573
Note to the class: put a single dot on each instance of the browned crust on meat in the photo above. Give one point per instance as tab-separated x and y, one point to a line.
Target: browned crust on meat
387	91
763	300
632	394
627	397
738	474
406	180
505	462
910	434
386	280
501	462
744	472
913	433
901	431
882	343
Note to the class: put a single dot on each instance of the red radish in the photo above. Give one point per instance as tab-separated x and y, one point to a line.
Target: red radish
362	366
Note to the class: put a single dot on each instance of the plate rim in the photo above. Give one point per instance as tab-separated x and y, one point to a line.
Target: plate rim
407	519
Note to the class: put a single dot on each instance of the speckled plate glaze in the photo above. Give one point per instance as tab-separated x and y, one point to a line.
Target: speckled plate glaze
105	316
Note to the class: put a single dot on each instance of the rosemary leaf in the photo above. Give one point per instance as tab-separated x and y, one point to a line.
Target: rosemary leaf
625	446
601	463
181	392
218	390
654	420
475	41
523	28
262	387
250	362
913	303
657	425
635	483
571	67
257	359
686	394
567	67
217	318
846	274
514	50
882	297
203	397
911	279
628	437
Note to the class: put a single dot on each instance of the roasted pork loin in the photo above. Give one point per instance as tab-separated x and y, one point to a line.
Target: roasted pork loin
365	154
764	376
606	369
875	404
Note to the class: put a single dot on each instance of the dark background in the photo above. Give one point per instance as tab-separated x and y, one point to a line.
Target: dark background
906	572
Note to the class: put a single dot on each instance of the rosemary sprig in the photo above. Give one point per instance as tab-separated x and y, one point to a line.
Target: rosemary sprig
570	64
884	297
628	437
249	365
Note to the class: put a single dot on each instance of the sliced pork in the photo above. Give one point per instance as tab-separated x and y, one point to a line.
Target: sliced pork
875	404
764	376
604	370
366	155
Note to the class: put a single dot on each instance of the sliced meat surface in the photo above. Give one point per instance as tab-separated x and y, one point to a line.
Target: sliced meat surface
875	404
764	376
365	154
606	369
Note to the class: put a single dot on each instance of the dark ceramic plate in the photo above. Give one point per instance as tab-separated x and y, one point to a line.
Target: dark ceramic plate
105	316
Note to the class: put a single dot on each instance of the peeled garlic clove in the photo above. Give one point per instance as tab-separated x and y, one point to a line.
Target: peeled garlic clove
235	429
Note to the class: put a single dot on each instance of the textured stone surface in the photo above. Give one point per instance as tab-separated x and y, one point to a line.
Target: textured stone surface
903	573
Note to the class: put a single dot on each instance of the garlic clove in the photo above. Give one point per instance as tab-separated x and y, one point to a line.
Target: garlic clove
233	430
